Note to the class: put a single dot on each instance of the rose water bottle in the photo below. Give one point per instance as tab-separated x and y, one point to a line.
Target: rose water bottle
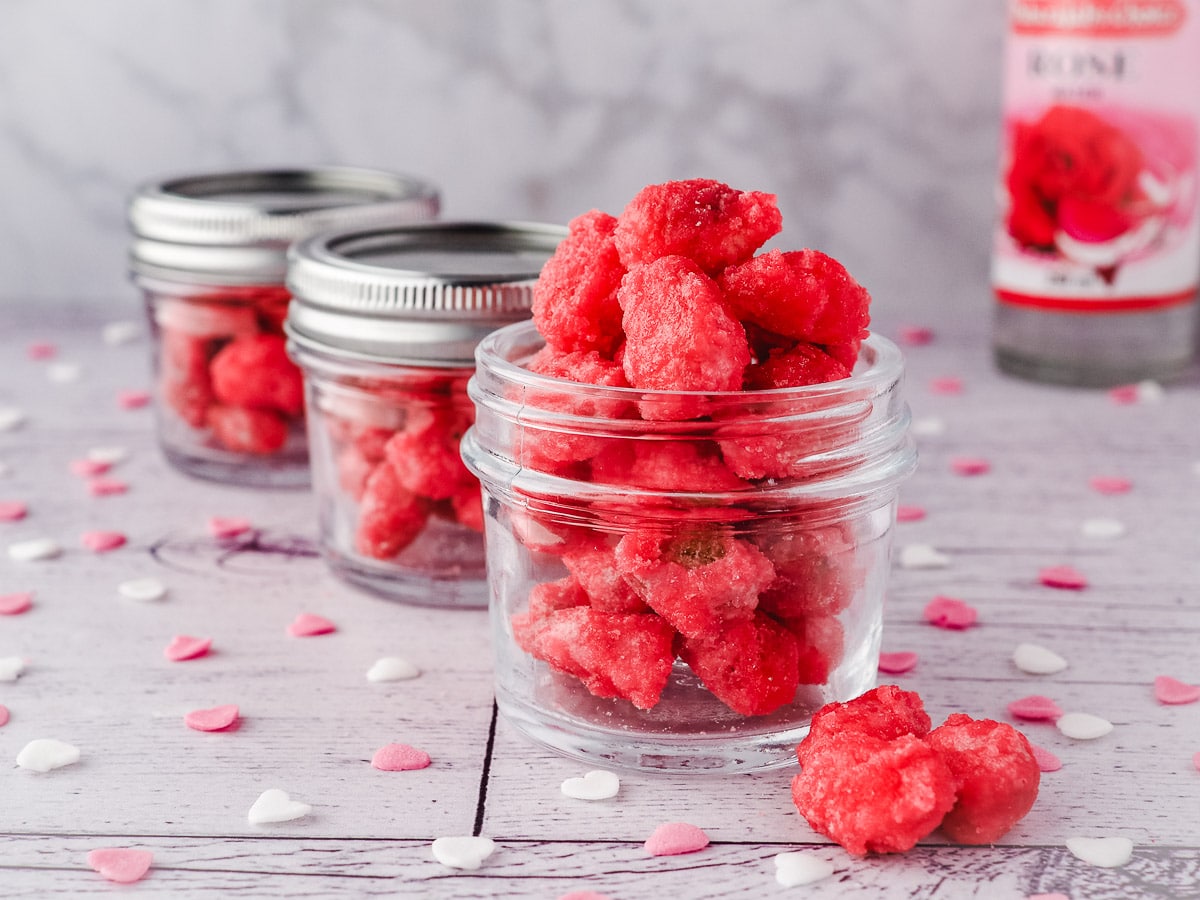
1096	257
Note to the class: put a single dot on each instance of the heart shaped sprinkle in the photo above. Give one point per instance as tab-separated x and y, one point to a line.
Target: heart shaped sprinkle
109	456
15	604
1083	726
11	667
1110	484
897	663
44	754
915	335
1196	761
11	418
675	838
274	805
1055	896
798	868
133	399
947	612
584	895
1171	691
184	647
1102	529
1063	577
1046	761
1033	659
64	372
946	385
910	513
970	465
1035	708
4	715
1108	853
121	865
106	487
922	556
34	550
13	510
391	668
463	852
41	350
225	527
310	625
218	718
88	468
144	590
598	784
930	426
121	332
399	758
102	541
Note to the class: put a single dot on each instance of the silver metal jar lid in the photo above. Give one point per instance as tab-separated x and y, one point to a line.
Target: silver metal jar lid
417	293
235	227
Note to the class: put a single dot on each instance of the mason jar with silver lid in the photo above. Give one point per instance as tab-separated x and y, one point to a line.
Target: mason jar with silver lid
209	253
384	325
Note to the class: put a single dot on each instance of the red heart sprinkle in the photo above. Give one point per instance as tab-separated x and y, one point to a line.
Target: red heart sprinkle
1172	691
102	541
1047	761
1124	395
3	715
1111	484
222	527
121	865
88	468
948	385
310	625
1063	577
915	335
219	718
947	612
184	647
1035	708
42	350
970	465
910	513
674	838
128	399
104	487
897	663
13	510
399	758
15	604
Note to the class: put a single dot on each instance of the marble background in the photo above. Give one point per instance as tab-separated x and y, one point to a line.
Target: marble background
875	121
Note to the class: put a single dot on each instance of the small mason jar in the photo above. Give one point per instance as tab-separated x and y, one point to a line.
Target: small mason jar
384	326
210	255
683	593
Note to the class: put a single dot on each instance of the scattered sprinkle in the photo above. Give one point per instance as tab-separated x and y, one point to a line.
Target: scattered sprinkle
463	852
1110	484
910	513
184	647
1083	726
1102	529
15	604
64	372
144	590
102	541
399	758
110	455
223	527
1033	659
1171	691
897	663
1048	897
970	465
1063	577
1196	761
11	418
133	399
947	612
1142	392
119	864
391	668
106	487
946	385
584	895
598	784
88	468
3	715
274	805
218	718
34	549
310	625
798	868
915	335
11	667
1047	761
929	426
1108	853
44	754
13	510
121	332
41	350
922	556
1035	708
675	838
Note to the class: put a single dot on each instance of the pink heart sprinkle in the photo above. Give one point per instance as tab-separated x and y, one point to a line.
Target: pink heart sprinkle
1046	761
1124	395
88	468
1196	761
1035	708
897	663
15	604
910	513
584	895
3	715
13	510
105	487
183	647
1048	897
102	541
947	612
1063	577
1110	484
219	718
674	838
946	386
915	335
970	465
1172	691
310	625
222	527
42	350
121	865
129	399
399	758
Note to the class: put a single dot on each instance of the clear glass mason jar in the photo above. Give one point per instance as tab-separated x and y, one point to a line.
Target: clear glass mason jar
683	595
384	326
210	256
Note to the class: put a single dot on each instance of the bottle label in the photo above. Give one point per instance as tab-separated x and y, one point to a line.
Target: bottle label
1098	186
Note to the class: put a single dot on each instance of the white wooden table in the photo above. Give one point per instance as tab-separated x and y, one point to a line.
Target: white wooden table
97	678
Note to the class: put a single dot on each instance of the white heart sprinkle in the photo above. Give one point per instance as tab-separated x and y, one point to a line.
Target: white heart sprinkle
35	549
922	556
1102	528
797	868
1150	392
44	754
1083	726
1108	853
274	805
463	852
595	785
391	668
144	590
110	455
122	332
1033	659
11	667
930	426
64	372
11	418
